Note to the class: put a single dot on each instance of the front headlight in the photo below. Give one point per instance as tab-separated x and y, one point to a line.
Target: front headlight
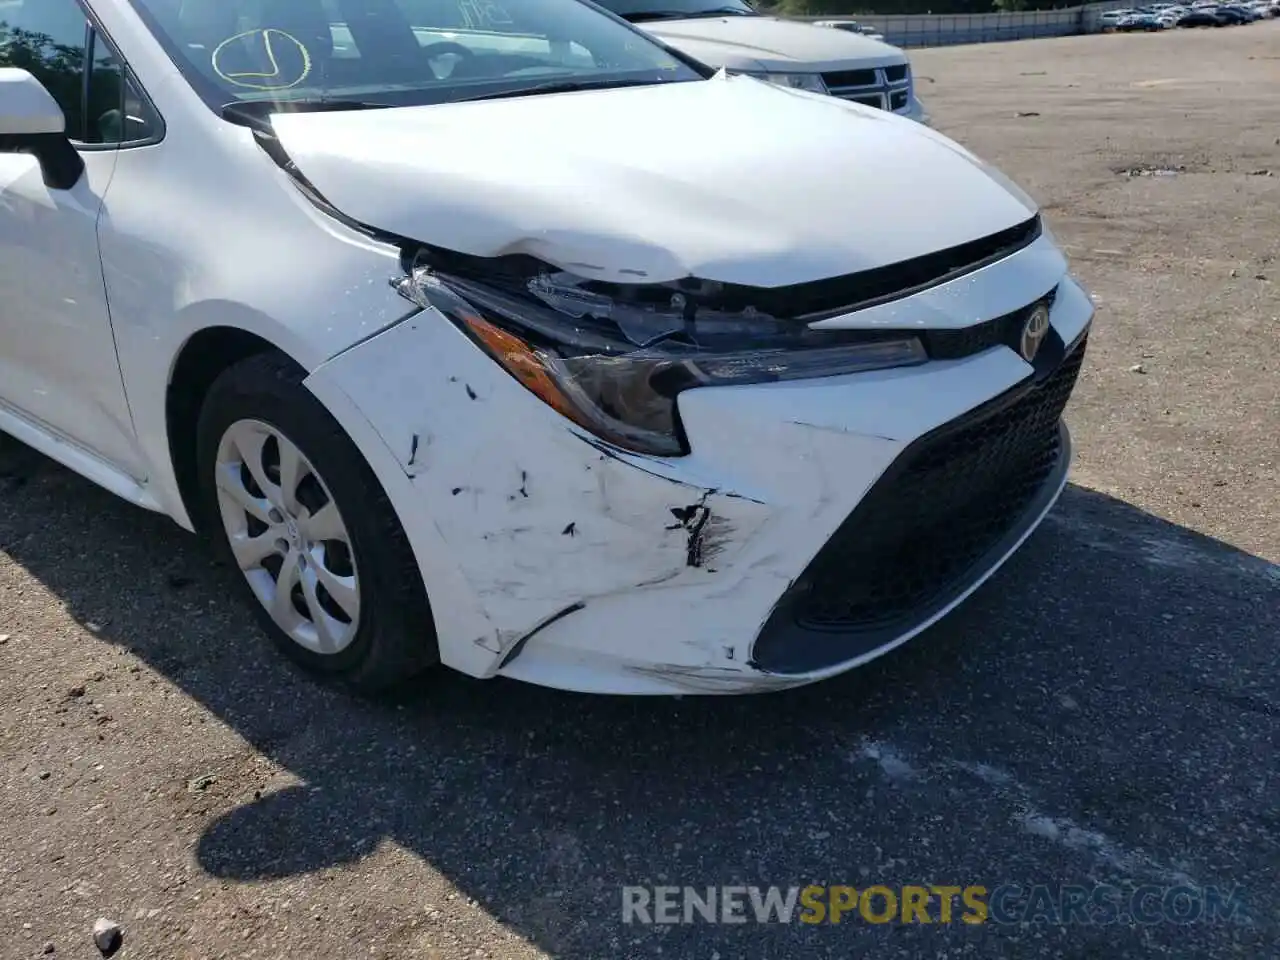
798	81
613	359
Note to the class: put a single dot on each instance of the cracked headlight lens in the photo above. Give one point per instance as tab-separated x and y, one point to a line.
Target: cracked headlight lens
797	81
615	364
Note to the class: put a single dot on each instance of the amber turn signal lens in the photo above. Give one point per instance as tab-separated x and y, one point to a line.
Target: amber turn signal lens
523	363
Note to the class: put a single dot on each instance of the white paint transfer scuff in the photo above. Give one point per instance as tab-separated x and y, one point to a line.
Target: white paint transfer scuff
1178	552
891	762
1027	816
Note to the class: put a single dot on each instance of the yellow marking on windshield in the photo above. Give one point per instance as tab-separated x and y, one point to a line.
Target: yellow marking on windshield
256	80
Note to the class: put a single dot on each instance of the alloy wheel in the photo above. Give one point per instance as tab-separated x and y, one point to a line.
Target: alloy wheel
288	536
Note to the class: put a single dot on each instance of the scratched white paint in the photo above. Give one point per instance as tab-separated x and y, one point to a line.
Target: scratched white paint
503	478
536	517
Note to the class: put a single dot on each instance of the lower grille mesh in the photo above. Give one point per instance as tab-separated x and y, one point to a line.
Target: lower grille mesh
941	507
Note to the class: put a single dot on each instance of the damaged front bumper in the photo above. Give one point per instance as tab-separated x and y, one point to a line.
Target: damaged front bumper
778	552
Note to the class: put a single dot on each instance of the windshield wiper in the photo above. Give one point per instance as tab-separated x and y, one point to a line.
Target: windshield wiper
721	12
257	113
560	86
649	15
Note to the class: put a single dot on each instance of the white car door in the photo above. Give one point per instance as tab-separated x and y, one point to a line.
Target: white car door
59	371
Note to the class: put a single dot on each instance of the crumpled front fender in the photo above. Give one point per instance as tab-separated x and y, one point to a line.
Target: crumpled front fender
536	517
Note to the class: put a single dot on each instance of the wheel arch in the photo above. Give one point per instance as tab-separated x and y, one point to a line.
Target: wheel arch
469	641
201	359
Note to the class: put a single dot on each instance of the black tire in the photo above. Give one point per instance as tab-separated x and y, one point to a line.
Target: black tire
396	637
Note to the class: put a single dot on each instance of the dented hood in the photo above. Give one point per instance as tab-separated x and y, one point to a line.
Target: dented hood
773	43
729	179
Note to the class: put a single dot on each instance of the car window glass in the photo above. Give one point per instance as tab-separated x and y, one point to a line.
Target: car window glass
140	119
480	26
397	51
104	111
116	112
47	39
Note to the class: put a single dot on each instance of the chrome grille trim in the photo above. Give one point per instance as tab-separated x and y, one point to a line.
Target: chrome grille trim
882	93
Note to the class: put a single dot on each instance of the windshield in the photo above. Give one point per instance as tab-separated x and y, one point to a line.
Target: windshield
329	53
637	11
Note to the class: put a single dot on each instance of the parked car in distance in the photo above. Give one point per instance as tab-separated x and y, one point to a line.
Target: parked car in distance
1235	16
1112	18
1135	22
733	35
1203	17
1168	14
851	26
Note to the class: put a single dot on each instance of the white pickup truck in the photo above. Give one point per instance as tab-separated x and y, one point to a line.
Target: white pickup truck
733	35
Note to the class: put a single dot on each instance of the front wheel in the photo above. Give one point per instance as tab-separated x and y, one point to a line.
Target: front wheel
291	505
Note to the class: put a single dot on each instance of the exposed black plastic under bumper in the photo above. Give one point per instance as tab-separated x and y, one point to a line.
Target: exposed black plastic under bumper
787	645
949	510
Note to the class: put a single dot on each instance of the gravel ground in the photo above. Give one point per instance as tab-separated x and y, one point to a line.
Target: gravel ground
1104	711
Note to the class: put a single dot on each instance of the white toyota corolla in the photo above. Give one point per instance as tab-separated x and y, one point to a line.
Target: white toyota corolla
514	340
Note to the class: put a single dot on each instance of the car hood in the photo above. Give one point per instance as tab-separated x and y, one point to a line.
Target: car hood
729	179
774	44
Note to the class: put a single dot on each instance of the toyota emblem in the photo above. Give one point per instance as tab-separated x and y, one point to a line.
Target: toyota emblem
1034	331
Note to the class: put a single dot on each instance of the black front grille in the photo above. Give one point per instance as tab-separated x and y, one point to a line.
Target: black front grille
879	87
1004	331
942	506
850	78
857	291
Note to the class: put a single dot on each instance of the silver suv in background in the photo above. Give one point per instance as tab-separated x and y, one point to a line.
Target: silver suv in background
731	34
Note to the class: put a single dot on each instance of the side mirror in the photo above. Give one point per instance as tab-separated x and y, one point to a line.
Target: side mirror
32	122
27	109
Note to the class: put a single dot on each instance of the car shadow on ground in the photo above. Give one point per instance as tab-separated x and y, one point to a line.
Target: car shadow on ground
1040	734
